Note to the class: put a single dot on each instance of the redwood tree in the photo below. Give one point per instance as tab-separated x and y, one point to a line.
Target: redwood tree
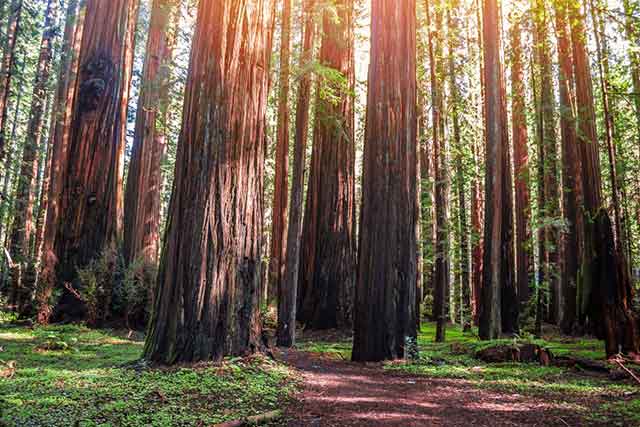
329	232
490	307
23	213
142	197
289	294
208	291
385	294
524	259
59	143
281	183
91	193
6	70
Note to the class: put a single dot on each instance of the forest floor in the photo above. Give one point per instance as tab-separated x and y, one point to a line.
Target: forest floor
70	375
447	386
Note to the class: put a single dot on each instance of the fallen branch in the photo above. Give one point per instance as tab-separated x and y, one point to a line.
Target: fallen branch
627	370
253	420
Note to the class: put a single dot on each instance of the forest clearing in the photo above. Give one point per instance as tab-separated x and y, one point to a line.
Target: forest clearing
73	375
319	212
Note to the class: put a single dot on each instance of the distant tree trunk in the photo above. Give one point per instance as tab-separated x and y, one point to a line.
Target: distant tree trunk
571	179
477	203
289	298
25	194
509	298
59	143
385	295
441	249
550	164
463	229
208	293
541	195
490	307
329	217
6	71
605	295
142	196
524	258
91	197
281	183
292	267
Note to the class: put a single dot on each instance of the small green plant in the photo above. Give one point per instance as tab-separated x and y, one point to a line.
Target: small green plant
96	284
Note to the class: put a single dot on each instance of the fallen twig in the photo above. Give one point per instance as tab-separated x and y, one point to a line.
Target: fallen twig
253	420
628	371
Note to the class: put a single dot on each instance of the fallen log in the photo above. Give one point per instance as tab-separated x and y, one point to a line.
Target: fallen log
527	353
254	420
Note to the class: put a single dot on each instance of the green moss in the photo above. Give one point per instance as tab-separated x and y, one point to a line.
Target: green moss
86	382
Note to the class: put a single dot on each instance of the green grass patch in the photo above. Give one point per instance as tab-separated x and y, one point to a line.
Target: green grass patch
72	375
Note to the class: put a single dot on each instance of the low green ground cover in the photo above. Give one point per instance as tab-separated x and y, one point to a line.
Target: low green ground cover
74	376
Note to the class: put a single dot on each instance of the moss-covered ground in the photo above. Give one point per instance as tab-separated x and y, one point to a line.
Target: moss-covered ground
74	376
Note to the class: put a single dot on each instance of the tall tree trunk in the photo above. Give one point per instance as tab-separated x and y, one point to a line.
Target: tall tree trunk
571	178
91	196
605	294
441	254
6	71
142	196
509	299
477	203
463	230
59	143
524	258
551	197
490	307
26	189
329	218
281	184
208	292
289	294
385	295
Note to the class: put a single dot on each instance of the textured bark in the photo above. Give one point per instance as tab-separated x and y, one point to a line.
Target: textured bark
385	295
541	199
571	179
490	307
441	254
509	299
477	203
329	232
605	294
6	71
91	196
524	258
21	232
142	197
281	184
59	140
208	291
289	298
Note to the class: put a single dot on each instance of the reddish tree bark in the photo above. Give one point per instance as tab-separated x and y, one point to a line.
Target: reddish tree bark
524	258
142	197
385	295
289	294
606	294
490	308
22	228
329	231
59	143
281	183
571	179
6	71
208	292
91	196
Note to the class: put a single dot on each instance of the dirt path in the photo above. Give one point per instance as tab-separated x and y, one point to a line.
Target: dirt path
341	393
